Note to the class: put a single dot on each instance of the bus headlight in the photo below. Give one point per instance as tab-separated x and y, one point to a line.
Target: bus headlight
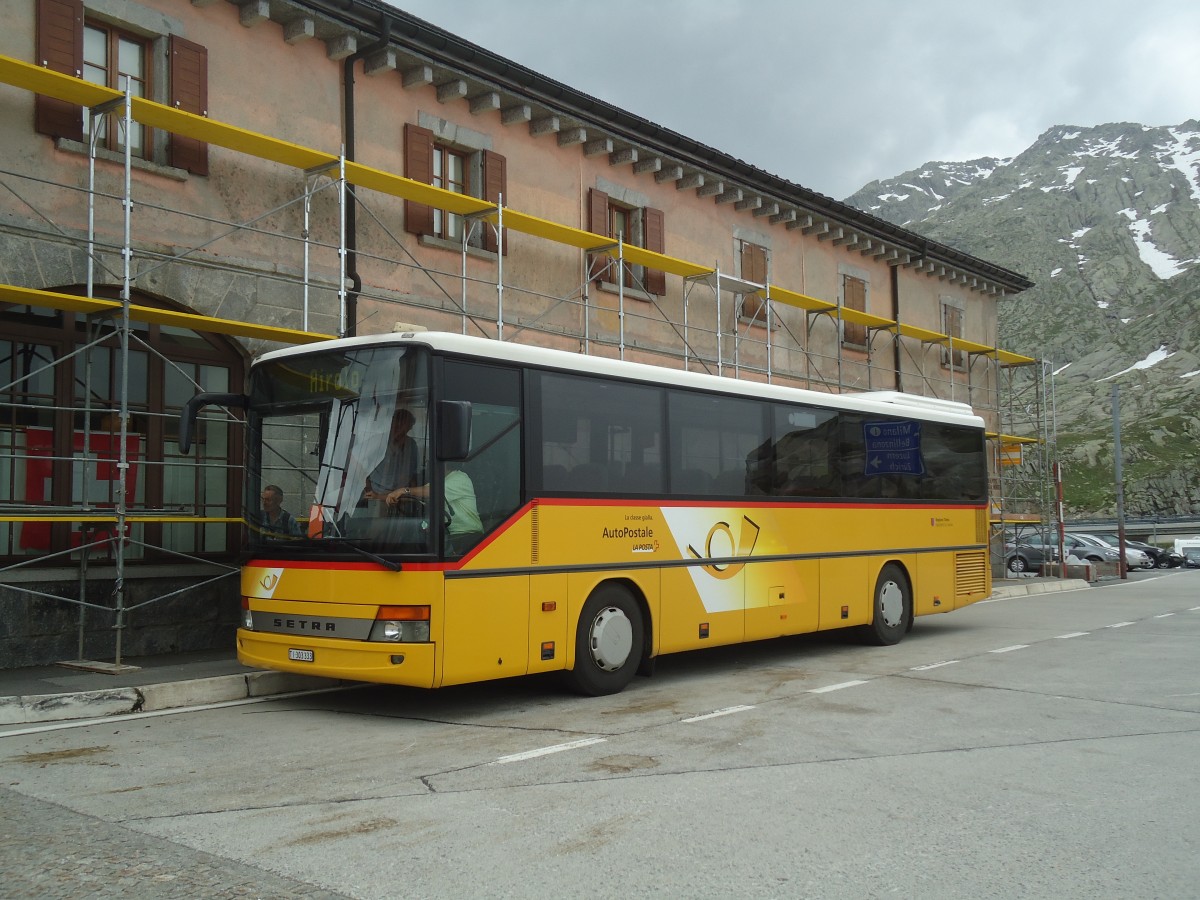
401	625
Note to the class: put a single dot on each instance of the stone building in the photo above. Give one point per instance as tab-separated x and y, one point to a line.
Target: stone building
274	190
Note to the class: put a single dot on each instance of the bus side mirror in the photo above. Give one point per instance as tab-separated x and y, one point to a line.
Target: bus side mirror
187	418
453	430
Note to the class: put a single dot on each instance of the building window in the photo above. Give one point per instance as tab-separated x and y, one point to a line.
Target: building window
105	53
60	438
753	261
952	326
449	173
854	297
116	59
475	173
639	227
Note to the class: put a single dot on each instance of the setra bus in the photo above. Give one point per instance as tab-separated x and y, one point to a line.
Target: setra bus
459	509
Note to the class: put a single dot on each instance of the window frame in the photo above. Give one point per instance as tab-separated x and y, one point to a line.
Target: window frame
648	227
64	334
115	78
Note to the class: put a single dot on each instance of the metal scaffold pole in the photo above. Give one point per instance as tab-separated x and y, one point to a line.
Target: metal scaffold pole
123	458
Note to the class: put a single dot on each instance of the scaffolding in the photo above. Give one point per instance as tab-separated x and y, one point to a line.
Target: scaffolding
738	345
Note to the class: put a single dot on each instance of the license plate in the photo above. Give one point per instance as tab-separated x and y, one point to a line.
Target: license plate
300	655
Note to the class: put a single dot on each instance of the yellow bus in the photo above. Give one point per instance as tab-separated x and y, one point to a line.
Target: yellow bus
432	509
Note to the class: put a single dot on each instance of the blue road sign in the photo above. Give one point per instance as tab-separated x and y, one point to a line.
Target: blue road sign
893	448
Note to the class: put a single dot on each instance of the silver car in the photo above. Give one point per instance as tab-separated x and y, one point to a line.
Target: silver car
1134	558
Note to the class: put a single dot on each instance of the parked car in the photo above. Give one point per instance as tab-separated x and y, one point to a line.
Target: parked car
1191	557
1134	558
1162	557
1020	556
1090	551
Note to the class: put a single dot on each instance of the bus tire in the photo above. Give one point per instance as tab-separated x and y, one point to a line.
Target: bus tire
892	607
608	642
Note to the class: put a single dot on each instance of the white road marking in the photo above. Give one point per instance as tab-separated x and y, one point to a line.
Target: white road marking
546	751
1165	616
729	710
835	687
1119	625
1010	649
1063	637
948	662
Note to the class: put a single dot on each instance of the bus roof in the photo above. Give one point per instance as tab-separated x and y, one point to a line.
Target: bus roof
887	403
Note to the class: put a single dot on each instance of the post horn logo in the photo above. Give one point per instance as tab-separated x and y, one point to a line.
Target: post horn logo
269	580
742	544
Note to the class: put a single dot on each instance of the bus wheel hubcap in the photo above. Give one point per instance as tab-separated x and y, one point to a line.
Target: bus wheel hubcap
612	639
891	603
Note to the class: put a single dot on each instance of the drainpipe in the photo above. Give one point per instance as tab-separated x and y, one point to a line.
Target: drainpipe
385	34
896	354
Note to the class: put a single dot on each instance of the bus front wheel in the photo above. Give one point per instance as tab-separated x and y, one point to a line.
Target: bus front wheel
892	608
608	642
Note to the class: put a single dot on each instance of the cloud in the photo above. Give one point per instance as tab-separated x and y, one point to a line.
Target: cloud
832	96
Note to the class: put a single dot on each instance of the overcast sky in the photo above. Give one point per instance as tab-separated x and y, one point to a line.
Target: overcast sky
832	95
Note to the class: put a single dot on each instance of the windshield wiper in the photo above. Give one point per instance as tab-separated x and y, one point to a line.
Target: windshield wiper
358	548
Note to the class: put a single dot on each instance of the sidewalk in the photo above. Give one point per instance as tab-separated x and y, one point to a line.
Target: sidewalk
58	693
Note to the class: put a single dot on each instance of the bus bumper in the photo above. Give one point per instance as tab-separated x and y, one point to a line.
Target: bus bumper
406	664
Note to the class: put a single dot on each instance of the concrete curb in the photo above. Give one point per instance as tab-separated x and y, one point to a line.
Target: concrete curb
1014	588
38	708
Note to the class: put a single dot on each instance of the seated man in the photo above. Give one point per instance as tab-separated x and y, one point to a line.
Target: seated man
463	525
275	520
400	463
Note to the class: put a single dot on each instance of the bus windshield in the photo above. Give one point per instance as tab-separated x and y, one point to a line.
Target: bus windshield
339	452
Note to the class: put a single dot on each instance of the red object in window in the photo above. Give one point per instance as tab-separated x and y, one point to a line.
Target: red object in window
39	470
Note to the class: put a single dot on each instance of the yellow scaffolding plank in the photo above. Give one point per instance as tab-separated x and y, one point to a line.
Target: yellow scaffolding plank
921	334
801	301
156	115
73	303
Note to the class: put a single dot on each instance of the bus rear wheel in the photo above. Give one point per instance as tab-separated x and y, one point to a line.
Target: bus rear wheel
892	607
608	642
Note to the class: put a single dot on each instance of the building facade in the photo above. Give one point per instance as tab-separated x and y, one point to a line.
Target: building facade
264	180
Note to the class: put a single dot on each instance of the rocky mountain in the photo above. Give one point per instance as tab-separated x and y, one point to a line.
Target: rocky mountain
1106	220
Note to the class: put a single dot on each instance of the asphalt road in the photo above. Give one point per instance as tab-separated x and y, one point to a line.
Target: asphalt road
1040	746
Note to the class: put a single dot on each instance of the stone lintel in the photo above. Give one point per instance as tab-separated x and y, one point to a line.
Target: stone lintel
572	136
668	173
254	13
544	125
514	115
340	47
379	62
299	30
622	157
488	101
417	76
448	91
598	146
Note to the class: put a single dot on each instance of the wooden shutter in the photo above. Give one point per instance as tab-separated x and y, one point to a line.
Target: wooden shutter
60	49
189	92
418	165
754	268
854	296
495	186
598	223
654	231
952	316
